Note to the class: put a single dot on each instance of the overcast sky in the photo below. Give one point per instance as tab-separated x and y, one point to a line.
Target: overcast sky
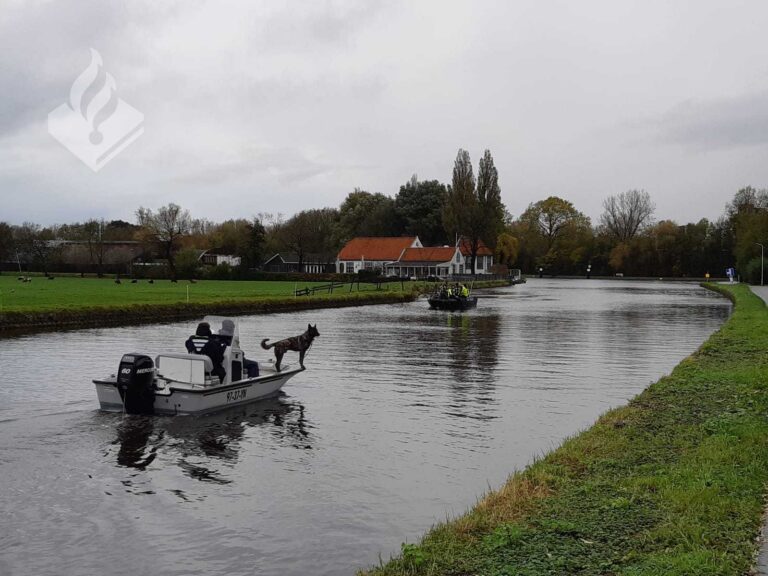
279	106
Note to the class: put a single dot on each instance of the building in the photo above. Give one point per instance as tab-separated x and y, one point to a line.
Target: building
422	262
213	259
289	262
406	256
372	253
484	262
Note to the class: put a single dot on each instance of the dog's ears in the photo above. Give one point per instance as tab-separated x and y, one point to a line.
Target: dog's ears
309	326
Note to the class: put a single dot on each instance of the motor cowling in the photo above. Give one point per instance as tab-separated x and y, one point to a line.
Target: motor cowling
136	383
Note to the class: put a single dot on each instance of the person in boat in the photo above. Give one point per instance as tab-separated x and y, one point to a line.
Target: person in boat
464	291
194	344
226	332
214	349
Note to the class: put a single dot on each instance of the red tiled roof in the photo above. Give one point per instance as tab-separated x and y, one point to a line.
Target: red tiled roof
375	248
466	248
439	254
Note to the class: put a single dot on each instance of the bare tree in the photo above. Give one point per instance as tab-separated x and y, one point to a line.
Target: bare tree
39	244
627	213
167	226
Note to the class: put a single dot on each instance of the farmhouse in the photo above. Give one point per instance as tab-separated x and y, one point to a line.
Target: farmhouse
371	253
422	262
406	256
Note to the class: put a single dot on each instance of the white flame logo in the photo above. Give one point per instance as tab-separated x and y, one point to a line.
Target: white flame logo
95	124
94	96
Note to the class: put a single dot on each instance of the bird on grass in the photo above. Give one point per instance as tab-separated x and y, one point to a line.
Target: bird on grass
151	281
134	281
50	277
117	281
174	281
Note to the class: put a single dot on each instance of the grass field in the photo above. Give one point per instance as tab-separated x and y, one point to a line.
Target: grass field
671	484
73	293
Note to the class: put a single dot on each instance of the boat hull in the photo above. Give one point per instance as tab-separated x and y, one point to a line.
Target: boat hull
455	304
180	398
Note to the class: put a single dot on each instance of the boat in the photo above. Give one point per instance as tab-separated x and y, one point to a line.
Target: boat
455	303
189	383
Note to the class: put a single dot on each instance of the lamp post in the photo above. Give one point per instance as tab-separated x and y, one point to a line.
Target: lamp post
762	261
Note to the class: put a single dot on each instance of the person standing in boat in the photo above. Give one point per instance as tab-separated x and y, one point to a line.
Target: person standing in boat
464	291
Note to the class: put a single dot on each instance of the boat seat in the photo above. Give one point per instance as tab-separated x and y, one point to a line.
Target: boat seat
192	368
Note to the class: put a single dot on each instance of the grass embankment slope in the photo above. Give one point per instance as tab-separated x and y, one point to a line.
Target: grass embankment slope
72	301
671	484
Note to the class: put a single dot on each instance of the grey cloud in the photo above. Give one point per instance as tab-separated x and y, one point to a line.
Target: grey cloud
718	123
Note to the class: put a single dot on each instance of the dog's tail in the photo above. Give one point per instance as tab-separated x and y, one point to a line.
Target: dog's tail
265	345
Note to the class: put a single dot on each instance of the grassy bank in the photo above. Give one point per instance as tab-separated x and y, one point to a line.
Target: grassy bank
73	302
673	483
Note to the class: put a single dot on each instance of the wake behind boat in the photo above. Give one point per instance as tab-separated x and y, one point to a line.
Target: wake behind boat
213	374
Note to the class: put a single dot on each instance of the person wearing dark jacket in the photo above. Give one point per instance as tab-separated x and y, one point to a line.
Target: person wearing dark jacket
195	343
215	351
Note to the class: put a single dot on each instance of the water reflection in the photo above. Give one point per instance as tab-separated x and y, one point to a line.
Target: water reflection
198	443
474	346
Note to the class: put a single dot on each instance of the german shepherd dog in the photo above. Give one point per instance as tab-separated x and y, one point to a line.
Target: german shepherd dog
300	344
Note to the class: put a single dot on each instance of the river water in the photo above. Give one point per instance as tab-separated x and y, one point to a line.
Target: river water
404	416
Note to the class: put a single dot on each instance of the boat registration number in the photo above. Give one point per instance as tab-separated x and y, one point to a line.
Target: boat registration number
236	395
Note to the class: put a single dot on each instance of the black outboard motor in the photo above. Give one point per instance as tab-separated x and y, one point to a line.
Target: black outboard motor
135	382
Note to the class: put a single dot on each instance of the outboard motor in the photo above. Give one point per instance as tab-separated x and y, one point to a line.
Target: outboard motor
135	382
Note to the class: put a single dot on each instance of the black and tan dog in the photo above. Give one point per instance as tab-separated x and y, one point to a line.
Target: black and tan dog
300	344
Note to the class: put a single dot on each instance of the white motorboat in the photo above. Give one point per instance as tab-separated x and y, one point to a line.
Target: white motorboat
192	383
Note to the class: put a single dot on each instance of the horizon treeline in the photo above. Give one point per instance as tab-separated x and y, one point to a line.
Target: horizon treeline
551	236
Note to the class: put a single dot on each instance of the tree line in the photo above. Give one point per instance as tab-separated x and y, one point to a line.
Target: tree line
550	237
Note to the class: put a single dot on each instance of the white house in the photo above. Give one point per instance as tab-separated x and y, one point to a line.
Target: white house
370	253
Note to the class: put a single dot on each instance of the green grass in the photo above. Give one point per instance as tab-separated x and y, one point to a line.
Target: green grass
74	293
68	293
671	484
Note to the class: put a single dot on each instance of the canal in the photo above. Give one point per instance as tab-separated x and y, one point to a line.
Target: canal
404	417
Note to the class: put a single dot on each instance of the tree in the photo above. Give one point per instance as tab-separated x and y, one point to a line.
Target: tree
463	215
366	214
188	262
747	200
507	249
167	227
39	244
6	241
626	214
489	200
92	233
555	235
241	237
419	206
310	232
474	212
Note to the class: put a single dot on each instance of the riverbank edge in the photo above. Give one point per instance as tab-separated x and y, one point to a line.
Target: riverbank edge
671	483
16	323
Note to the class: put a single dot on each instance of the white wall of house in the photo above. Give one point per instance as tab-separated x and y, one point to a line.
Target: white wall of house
483	264
226	259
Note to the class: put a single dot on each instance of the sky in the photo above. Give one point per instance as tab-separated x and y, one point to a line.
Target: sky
274	107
